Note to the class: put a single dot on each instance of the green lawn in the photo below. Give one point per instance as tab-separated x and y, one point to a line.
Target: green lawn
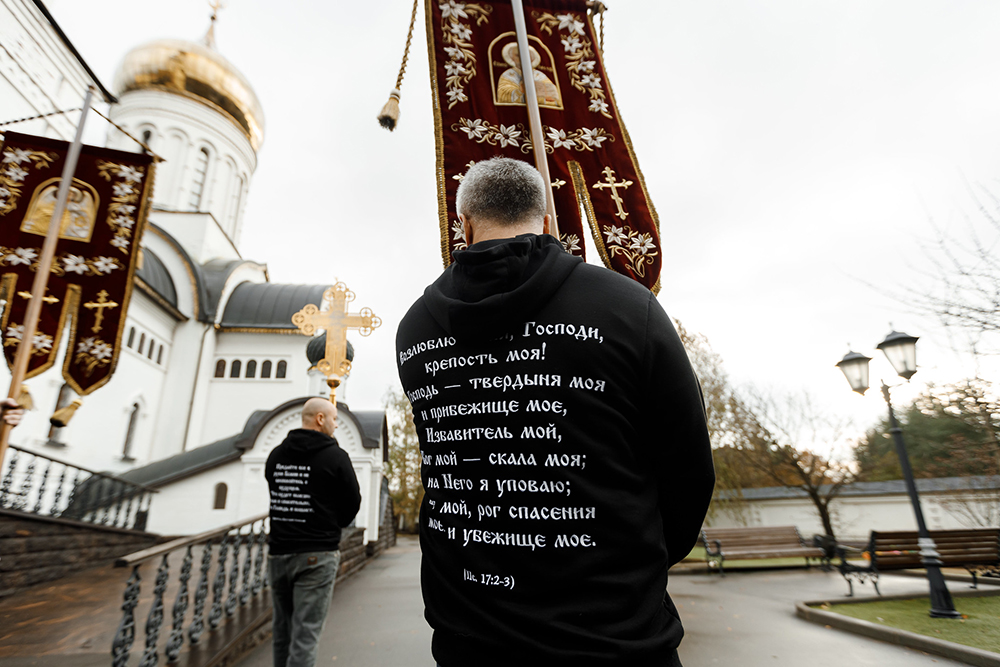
979	627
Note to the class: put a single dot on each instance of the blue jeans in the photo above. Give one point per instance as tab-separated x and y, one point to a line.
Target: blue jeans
301	589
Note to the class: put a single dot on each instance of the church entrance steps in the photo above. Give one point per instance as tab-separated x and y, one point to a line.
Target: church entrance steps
35	549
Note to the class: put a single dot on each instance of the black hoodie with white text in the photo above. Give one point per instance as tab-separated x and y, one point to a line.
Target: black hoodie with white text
565	458
314	493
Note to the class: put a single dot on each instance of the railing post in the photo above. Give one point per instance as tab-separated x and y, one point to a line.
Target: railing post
54	510
8	479
155	619
200	594
247	565
259	563
26	484
219	584
121	647
37	509
173	647
234	575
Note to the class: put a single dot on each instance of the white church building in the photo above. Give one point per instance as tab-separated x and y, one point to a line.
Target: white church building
213	373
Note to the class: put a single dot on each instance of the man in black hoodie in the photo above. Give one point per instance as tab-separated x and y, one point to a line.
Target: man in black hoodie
565	454
314	493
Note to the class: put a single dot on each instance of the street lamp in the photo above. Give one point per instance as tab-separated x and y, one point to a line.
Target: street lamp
901	351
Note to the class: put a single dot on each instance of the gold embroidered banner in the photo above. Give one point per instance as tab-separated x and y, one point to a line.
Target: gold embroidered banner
91	282
479	112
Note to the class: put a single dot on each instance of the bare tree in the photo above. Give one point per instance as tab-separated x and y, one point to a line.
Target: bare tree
783	439
403	467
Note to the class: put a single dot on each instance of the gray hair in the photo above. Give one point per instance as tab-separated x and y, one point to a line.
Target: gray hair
501	190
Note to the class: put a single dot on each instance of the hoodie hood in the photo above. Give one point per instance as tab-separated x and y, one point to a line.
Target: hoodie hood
496	283
308	441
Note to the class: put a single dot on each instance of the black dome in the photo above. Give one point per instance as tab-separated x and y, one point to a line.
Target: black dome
317	348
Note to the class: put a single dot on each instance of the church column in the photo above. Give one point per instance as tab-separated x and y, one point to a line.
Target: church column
199	390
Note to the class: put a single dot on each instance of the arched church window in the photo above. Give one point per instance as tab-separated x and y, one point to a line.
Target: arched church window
220	368
146	136
142	343
200	172
251	369
237	200
65	396
282	369
159	357
133	422
221	491
131	336
265	369
152	346
234	370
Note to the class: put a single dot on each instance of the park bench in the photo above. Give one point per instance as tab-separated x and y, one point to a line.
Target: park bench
755	543
977	550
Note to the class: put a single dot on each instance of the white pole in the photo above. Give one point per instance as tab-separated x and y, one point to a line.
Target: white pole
41	281
535	120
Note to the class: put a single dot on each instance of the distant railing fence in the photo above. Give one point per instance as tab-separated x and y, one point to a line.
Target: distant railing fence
42	485
226	546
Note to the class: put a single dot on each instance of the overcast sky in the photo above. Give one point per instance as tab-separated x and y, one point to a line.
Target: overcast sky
796	152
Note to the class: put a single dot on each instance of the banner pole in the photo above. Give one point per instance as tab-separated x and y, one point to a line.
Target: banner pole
41	281
535	119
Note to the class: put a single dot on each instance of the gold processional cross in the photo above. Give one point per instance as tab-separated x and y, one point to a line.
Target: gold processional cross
100	305
609	183
336	321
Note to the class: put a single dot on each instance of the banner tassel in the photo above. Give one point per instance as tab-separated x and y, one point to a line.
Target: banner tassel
389	115
24	398
61	417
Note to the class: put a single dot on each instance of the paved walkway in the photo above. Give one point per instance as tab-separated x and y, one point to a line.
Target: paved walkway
745	619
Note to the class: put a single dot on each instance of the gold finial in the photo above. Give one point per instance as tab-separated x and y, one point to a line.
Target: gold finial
216	5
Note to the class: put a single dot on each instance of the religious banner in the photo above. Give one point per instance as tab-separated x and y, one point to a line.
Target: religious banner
92	272
479	113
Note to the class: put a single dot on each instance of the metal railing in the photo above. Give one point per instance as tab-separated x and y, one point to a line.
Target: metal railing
224	546
38	484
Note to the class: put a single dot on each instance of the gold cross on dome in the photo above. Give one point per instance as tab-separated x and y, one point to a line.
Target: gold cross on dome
336	321
609	184
100	305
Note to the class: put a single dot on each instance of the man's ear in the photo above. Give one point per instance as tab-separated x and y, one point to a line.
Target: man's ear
546	224
466	229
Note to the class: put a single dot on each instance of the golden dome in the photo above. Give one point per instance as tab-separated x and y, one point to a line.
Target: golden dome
198	72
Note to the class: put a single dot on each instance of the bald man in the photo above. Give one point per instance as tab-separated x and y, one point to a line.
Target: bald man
314	493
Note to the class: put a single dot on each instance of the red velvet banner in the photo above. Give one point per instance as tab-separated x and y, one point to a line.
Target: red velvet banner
479	113
91	282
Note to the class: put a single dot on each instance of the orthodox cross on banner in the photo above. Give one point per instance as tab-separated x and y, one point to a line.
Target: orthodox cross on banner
335	320
99	305
609	184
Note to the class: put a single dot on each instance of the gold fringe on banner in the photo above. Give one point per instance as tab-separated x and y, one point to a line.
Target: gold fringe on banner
389	115
61	417
24	398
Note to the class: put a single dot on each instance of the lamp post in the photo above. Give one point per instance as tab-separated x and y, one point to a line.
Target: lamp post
901	351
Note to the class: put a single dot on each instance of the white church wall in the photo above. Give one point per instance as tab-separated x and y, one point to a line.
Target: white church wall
230	401
38	74
186	506
199	234
231	160
855	516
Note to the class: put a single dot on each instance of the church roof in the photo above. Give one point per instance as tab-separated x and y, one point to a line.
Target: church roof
371	423
269	306
156	276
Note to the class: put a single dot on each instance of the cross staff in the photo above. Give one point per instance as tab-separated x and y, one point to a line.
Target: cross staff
99	305
336	321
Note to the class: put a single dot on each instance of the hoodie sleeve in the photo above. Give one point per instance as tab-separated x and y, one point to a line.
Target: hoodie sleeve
677	433
346	490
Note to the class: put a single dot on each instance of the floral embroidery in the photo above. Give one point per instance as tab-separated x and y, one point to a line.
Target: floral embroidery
92	353
12	174
22	256
571	243
637	249
458	234
480	131
456	35
64	263
41	343
125	195
580	57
